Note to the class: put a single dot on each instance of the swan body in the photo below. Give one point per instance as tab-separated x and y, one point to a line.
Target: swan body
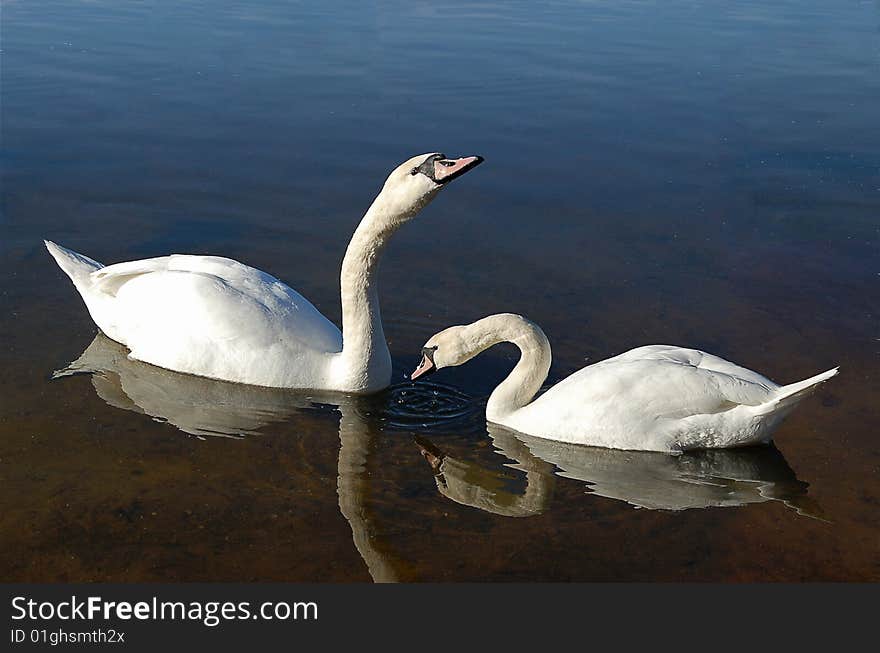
218	318
652	398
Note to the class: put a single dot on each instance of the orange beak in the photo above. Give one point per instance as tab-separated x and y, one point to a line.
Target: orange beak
426	366
448	169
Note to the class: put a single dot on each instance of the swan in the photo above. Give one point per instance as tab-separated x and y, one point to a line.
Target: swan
652	398
221	319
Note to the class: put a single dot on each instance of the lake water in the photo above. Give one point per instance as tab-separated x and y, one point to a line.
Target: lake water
697	173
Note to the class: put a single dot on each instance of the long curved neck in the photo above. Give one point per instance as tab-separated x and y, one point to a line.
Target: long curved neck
366	361
520	386
363	340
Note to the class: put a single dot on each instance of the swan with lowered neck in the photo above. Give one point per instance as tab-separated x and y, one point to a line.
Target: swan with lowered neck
653	398
217	318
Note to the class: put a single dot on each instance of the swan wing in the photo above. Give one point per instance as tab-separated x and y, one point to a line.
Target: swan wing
693	358
215	317
660	381
655	398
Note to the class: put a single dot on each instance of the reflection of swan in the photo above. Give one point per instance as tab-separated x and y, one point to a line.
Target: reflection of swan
353	487
653	398
200	406
657	481
217	318
493	490
195	405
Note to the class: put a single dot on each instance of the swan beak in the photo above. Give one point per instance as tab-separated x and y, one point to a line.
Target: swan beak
430	453
425	367
445	170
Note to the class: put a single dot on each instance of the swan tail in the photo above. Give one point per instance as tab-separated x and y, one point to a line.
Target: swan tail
76	266
71	370
80	366
789	395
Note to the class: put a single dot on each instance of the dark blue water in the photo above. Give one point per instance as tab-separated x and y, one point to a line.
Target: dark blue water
698	173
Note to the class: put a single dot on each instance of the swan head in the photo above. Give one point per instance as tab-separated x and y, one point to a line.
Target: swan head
458	344
449	348
417	181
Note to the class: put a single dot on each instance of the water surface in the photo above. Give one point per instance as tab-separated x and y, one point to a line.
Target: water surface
680	172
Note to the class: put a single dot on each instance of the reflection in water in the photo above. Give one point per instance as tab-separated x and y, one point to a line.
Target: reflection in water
195	405
200	406
470	484
657	481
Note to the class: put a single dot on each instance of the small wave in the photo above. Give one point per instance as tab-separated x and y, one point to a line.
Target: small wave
424	405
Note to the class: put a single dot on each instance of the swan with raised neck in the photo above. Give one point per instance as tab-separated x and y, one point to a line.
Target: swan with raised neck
407	191
221	319
652	398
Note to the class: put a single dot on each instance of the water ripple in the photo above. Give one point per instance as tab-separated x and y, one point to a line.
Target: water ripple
422	405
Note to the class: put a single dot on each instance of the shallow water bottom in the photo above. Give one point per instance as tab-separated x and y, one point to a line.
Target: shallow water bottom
141	474
688	173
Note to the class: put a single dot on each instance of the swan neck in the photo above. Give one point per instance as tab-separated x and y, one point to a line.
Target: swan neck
530	372
365	356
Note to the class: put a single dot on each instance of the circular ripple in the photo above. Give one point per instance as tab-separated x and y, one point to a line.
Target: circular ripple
425	404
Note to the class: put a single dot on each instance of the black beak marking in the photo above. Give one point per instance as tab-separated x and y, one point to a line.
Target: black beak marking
427	168
427	354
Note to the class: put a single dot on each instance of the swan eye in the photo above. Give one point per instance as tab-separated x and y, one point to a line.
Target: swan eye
414	171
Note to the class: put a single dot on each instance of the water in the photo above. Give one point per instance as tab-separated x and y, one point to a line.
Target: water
684	172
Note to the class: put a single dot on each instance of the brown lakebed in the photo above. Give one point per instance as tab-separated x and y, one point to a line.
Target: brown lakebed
687	182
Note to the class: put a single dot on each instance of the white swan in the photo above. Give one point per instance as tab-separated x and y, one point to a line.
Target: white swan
217	318
653	398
